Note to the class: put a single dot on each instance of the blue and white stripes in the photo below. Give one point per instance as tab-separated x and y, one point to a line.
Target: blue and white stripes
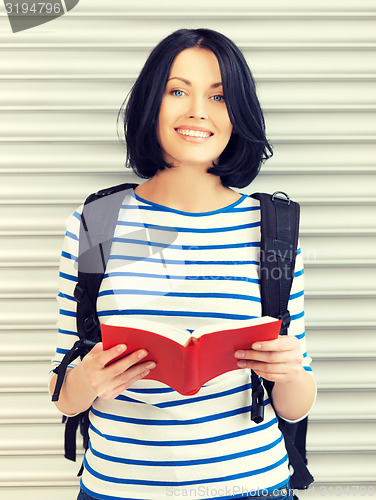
185	270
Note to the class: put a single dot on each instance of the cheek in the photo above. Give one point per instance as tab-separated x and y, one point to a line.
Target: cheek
228	123
227	132
162	126
170	109
165	121
224	122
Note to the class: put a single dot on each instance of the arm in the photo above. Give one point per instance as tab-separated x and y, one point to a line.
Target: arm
284	361
293	400
281	361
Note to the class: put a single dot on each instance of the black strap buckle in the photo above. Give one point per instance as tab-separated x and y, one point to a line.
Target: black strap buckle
286	320
257	409
80	348
79	293
62	368
91	323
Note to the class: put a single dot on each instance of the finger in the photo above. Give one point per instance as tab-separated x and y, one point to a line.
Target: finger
136	375
266	356
103	378
105	357
266	367
276	345
282	343
122	365
293	356
126	380
274	371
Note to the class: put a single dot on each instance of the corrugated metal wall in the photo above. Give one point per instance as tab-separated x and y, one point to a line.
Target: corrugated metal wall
61	85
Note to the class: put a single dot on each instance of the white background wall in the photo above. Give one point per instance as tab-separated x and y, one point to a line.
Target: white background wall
61	85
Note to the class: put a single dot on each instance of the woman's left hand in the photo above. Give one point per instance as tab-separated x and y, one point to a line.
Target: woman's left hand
278	360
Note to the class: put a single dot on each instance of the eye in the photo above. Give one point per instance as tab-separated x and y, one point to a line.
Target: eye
178	93
218	98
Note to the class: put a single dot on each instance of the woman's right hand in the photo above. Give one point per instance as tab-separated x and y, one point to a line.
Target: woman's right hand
108	382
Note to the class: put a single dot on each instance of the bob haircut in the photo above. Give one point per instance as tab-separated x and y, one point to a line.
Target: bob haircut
247	148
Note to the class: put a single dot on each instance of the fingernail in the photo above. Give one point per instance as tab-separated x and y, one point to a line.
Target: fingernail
242	364
151	365
239	354
142	354
256	346
121	348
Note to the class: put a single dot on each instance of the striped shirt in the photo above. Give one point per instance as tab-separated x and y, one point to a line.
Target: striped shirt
186	270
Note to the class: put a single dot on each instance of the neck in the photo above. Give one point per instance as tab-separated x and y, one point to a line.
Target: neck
187	190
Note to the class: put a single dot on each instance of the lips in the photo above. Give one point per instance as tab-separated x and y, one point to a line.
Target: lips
194	134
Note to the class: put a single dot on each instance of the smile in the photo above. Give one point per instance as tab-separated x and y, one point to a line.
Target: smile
193	133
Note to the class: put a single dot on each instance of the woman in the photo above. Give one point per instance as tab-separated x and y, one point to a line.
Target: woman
193	127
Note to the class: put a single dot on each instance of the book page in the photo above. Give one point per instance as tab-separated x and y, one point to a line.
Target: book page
178	335
232	325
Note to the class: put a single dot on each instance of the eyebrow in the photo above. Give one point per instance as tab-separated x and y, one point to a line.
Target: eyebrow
187	82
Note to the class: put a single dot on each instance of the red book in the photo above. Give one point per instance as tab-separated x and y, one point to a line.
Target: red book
187	361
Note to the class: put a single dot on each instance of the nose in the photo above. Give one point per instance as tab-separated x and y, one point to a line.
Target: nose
197	108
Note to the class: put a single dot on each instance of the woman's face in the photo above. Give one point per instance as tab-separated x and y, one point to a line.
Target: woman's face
193	125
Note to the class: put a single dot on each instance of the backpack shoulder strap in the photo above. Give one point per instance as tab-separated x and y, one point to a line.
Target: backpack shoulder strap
279	241
98	221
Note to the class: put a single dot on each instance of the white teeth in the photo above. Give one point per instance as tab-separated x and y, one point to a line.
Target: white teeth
193	133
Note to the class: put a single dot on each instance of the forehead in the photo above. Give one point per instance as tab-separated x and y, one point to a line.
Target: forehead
196	64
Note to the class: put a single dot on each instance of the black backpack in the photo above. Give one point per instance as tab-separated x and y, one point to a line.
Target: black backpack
279	238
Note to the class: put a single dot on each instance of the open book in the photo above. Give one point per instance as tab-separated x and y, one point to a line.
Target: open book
187	361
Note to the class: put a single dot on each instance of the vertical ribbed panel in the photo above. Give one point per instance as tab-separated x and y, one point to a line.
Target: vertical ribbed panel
61	85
